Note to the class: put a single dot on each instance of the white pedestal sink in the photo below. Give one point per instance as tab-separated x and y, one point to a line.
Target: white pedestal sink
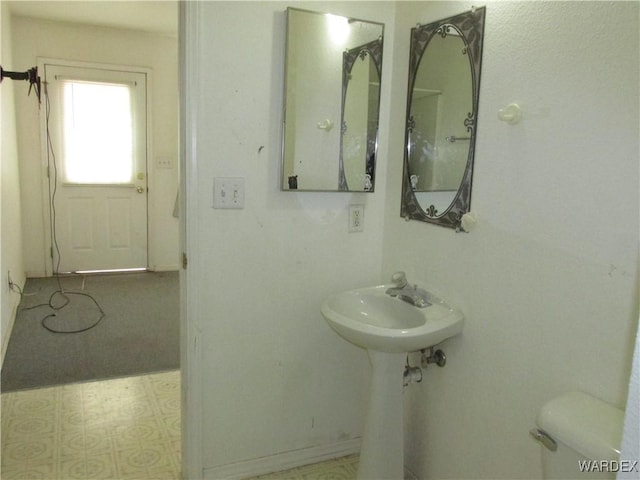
388	328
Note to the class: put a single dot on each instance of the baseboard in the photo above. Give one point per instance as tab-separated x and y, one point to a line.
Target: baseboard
282	461
164	268
36	274
9	329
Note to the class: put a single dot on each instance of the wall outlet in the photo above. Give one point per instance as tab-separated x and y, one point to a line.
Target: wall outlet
228	192
356	218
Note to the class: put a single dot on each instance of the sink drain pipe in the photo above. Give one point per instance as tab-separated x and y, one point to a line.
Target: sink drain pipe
411	375
428	356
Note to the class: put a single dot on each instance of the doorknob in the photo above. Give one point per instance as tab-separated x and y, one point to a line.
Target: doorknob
140	189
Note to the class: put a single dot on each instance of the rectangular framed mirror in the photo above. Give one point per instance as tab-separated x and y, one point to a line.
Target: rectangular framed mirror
333	68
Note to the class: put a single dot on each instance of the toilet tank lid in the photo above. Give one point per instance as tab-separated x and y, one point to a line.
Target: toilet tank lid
586	424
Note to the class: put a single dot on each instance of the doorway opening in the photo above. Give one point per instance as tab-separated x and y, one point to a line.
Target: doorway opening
96	145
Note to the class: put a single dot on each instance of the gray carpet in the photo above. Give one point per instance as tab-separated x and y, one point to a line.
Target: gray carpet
138	333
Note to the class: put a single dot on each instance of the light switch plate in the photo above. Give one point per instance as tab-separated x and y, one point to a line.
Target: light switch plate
228	192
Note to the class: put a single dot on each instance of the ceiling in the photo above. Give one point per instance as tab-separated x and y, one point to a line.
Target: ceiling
149	16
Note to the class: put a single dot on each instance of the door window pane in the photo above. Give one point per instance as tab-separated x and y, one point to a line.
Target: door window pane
98	133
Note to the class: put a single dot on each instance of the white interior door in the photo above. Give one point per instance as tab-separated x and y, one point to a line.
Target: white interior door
97	165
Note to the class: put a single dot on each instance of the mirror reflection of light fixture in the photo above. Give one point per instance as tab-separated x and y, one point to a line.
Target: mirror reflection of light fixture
338	29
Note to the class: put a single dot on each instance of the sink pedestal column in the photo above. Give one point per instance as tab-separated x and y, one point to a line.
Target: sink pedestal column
382	454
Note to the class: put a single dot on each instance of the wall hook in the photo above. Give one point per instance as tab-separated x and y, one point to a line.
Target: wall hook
325	125
510	114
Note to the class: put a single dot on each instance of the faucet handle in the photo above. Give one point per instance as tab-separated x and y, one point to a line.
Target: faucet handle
399	279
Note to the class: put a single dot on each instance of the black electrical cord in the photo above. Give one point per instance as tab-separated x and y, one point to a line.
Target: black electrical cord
14	287
67	300
51	160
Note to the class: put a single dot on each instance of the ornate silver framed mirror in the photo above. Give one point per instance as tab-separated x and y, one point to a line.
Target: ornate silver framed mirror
361	73
442	108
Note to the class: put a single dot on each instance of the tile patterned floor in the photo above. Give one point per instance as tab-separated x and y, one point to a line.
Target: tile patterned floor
120	429
126	428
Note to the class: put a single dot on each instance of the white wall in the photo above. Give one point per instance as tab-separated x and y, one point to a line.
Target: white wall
275	378
37	38
10	211
548	279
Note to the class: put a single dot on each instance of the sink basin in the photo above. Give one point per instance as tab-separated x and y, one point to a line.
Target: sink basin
388	328
371	319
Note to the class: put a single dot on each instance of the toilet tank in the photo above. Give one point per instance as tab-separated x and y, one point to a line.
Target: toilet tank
587	433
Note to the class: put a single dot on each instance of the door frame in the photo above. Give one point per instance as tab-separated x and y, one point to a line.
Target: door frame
190	273
44	147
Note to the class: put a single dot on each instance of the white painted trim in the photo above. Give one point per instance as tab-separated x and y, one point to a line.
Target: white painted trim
44	179
283	461
190	357
93	65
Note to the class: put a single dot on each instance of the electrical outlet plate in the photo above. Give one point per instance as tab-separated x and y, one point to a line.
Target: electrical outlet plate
356	218
228	192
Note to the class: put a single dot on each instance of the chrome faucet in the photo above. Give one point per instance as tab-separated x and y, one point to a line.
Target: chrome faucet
409	293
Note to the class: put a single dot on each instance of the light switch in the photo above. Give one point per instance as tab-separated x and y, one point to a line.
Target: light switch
228	192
